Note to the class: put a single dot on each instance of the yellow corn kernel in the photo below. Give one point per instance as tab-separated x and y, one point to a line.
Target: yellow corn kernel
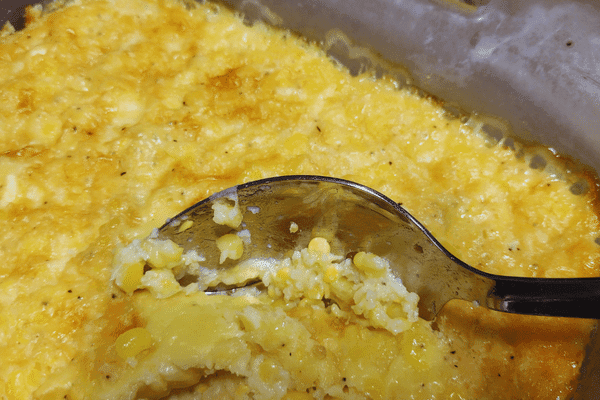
161	283
343	289
319	245
395	311
227	214
250	318
316	292
162	253
293	227
129	276
132	342
283	274
185	226
231	246
369	262
331	274
268	371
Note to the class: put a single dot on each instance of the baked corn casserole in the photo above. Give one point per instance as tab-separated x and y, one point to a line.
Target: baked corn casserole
116	115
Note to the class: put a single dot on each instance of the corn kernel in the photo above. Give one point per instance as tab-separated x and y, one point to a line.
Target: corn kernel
162	253
132	342
283	274
395	311
161	283
331	274
185	226
227	214
343	289
369	262
250	319
231	246
268	371
129	276
316	292
319	245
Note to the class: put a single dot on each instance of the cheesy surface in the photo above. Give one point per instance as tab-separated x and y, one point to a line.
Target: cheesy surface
115	115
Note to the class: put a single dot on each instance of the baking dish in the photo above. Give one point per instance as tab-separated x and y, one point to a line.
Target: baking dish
526	70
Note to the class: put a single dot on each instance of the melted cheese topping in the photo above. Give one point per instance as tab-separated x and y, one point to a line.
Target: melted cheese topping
117	115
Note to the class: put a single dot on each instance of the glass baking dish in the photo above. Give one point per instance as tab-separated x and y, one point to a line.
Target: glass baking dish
529	70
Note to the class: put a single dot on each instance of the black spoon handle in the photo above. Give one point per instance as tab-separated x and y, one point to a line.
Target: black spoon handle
560	297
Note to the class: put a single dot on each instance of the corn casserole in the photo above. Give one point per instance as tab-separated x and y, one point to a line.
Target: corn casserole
116	115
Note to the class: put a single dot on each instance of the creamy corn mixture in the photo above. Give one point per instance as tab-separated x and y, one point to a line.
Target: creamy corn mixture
353	294
115	115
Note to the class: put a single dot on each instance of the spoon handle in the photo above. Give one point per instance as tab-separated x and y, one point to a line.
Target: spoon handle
570	297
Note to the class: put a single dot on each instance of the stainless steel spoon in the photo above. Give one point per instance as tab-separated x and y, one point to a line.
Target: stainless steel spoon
356	218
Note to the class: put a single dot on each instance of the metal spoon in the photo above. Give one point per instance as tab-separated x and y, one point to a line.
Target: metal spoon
356	218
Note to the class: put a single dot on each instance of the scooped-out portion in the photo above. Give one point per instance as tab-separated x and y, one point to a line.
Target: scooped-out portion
116	115
299	333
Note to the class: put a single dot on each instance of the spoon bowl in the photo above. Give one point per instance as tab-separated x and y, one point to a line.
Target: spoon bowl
356	218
